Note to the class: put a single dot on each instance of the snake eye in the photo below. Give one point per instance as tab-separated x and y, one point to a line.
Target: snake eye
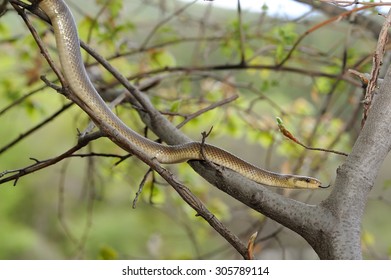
307	180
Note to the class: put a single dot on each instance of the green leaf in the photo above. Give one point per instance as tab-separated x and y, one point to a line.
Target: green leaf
158	195
115	7
234	125
162	58
287	33
286	36
85	27
280	52
4	30
108	253
367	239
264	7
175	106
263	138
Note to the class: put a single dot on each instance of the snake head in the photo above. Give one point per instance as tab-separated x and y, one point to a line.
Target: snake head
304	182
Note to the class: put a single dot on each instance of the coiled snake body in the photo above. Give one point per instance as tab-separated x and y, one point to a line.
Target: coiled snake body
68	46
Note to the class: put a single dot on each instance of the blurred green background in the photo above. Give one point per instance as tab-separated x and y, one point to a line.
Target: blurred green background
81	208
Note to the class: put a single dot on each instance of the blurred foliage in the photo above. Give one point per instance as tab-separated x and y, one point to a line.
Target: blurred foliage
82	207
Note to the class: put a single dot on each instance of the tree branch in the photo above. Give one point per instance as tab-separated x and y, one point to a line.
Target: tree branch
356	177
38	165
300	217
371	25
124	143
239	187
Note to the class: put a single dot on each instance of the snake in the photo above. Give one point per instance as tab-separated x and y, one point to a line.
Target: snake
75	74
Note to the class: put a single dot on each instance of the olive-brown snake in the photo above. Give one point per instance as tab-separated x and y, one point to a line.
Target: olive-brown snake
68	45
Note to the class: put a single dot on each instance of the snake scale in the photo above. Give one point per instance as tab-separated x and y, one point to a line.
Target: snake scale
68	46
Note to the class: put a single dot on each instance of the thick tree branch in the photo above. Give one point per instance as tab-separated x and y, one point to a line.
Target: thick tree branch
356	177
295	215
300	217
331	10
124	143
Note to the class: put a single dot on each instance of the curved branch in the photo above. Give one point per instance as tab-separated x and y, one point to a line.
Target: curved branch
130	147
40	164
226	180
290	213
371	25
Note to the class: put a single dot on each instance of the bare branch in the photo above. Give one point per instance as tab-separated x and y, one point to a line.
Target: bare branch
38	165
329	9
164	21
241	36
376	64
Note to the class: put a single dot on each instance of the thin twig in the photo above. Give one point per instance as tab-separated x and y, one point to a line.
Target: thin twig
202	146
38	165
164	21
289	135
40	43
241	36
20	100
94	23
376	64
181	189
322	24
206	109
141	186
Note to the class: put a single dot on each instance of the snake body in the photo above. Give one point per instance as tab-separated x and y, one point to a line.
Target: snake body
68	45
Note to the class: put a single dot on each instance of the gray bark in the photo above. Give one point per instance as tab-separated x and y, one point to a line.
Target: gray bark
332	228
356	177
369	23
